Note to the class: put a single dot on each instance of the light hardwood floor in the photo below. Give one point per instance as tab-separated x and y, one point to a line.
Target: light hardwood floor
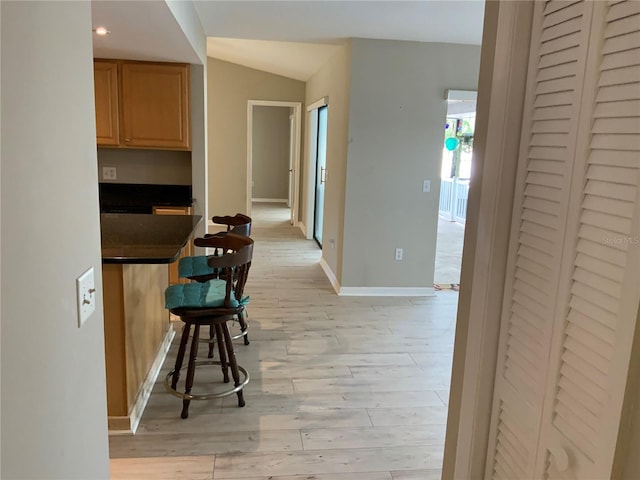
342	388
448	252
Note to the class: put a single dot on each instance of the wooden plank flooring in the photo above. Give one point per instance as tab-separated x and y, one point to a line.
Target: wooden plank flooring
342	388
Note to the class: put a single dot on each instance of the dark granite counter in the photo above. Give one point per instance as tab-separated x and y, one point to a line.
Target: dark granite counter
142	238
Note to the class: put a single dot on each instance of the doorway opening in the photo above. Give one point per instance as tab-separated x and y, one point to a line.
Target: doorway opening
454	186
273	154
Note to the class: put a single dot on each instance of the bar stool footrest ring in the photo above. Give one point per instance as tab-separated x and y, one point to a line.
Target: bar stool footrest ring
208	396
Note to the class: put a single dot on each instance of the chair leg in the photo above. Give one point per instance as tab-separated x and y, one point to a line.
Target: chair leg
212	336
191	370
223	355
232	362
179	359
243	327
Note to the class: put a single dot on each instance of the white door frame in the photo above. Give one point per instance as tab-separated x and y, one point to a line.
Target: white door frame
297	113
310	166
292	161
502	79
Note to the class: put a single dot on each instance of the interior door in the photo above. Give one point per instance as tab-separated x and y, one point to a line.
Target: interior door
321	174
571	304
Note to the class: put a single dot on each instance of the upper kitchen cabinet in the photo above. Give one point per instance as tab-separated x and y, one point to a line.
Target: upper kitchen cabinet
105	76
151	105
155	105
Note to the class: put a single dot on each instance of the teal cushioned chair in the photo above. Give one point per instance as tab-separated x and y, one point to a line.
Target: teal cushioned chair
197	267
212	303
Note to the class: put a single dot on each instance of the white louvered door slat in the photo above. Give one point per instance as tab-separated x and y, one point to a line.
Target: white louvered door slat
556	67
599	291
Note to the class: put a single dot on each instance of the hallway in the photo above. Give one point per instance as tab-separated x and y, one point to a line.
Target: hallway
342	388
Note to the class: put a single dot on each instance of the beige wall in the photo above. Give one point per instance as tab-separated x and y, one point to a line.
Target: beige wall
271	152
199	150
396	135
332	81
54	415
146	166
230	87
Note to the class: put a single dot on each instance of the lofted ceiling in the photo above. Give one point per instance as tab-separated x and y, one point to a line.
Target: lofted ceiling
290	59
290	38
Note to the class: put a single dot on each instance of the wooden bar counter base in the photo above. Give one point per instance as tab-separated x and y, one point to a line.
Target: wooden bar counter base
136	250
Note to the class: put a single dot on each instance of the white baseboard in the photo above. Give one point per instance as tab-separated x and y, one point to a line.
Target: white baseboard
269	200
330	275
374	291
302	228
387	292
137	409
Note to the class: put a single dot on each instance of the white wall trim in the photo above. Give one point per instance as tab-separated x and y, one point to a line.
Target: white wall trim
387	292
503	72
137	409
311	145
269	200
330	275
373	291
318	103
297	112
303	228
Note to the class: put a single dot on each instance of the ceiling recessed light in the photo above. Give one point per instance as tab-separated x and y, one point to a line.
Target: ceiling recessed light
101	31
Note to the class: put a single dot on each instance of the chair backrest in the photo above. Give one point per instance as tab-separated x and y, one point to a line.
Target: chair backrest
239	223
231	260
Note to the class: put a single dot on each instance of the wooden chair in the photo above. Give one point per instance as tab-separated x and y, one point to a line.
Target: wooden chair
196	268
239	224
212	303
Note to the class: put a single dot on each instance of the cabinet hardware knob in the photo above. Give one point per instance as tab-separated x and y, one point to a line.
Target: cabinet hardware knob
127	139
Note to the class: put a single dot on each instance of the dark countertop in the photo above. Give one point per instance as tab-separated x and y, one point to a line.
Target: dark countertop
142	238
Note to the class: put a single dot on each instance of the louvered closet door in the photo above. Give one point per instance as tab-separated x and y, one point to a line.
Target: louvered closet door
554	89
600	287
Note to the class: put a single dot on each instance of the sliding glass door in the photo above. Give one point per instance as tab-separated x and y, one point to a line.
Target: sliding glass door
321	174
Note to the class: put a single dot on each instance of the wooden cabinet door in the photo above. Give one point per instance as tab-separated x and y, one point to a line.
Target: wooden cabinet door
105	75
155	106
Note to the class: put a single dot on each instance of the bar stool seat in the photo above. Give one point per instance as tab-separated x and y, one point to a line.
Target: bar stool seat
212	303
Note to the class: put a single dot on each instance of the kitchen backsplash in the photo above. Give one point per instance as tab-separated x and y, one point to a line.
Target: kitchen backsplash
161	167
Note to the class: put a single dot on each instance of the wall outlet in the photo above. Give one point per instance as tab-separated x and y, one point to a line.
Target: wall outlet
86	296
109	173
426	186
332	242
399	253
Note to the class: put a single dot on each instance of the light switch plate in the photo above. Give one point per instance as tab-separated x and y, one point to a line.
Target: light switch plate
86	296
426	186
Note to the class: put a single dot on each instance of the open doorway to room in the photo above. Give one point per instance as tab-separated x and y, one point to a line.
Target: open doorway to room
454	186
273	154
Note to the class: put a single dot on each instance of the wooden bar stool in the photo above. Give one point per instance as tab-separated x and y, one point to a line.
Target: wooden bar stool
197	269
212	303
